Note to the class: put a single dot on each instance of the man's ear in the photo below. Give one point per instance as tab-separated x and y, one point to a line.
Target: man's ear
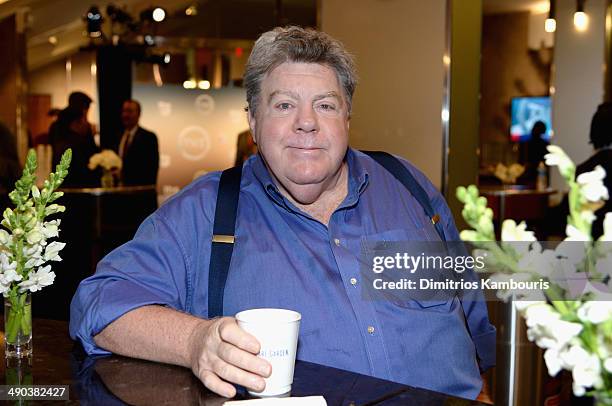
252	122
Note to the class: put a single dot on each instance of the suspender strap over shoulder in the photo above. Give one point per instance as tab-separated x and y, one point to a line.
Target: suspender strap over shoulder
402	174
223	238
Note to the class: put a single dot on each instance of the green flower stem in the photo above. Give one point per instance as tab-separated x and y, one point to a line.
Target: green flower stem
19	318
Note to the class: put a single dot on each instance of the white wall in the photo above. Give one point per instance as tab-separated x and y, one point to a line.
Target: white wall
578	80
398	46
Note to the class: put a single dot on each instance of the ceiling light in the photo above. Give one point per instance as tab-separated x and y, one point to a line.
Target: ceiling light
581	20
551	24
204	84
191	10
53	40
159	14
93	18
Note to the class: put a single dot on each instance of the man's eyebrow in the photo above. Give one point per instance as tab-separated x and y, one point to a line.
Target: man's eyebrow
289	93
294	95
328	94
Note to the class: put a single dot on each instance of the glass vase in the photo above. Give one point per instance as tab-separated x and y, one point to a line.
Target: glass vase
18	326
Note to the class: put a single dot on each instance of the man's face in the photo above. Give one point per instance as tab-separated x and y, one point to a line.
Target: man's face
129	115
301	128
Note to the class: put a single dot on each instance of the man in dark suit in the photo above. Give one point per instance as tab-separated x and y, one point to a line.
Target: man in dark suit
138	148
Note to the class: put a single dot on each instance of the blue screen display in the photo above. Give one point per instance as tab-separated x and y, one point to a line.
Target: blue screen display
526	111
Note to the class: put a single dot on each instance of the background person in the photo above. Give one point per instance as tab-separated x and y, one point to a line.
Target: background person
601	139
72	129
138	148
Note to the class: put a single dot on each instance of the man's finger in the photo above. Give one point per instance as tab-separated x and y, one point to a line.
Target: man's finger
243	359
238	376
232	333
212	382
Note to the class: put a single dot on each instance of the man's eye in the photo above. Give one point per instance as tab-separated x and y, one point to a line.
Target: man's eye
283	106
327	107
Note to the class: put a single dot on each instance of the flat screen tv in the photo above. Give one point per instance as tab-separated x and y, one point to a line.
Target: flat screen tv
525	112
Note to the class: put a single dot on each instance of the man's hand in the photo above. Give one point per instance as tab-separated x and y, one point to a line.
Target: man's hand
222	352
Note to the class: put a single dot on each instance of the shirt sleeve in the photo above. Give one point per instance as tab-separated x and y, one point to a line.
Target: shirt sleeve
150	269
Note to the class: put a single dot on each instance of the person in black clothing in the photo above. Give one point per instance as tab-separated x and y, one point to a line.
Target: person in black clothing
601	139
138	148
72	130
10	170
536	149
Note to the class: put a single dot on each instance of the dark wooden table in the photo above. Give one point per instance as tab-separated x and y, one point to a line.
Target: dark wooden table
118	380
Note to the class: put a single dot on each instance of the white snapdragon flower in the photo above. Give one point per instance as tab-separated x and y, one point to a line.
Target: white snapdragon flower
522	305
34	255
608	364
50	229
6	264
553	361
592	186
595	312
8	272
52	250
571	252
586	373
573	234
539	263
38	280
5	237
516	232
54	208
572	356
546	328
557	157
35	236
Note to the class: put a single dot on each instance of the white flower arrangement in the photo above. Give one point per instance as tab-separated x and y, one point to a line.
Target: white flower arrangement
573	324
25	253
107	159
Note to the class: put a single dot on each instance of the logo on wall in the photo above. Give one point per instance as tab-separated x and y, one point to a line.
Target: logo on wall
165	160
193	143
205	104
164	108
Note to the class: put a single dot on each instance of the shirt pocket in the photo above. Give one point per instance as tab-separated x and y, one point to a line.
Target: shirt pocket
412	241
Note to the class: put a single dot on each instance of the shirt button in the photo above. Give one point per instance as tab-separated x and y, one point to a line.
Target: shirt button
337	242
353	281
370	329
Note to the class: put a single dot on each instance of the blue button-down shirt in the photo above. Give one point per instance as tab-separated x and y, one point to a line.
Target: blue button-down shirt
284	258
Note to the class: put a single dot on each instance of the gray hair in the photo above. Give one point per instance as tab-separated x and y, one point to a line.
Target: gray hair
296	44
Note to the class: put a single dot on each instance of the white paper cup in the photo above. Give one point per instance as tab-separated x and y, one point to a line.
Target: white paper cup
277	332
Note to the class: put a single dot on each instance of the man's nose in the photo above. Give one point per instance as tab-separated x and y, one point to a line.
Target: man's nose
306	120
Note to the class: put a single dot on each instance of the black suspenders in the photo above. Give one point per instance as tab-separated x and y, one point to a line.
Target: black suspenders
225	222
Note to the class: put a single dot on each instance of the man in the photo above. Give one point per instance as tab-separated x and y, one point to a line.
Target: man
137	148
307	203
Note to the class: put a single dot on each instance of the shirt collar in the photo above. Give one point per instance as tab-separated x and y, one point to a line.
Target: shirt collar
358	178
